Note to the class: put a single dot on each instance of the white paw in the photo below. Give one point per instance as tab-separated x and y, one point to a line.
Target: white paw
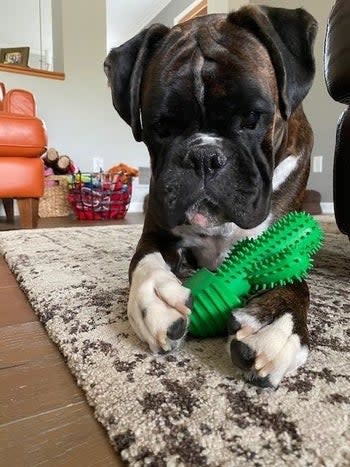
264	354
157	307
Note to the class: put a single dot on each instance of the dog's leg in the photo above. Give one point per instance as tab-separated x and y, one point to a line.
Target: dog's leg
268	339
158	305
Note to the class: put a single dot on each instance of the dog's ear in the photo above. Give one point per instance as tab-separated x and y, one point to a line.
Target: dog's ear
125	67
288	36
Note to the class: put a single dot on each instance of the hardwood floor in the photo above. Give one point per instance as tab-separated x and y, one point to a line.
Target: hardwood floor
44	417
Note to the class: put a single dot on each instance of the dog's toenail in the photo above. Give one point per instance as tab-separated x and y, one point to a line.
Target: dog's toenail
189	302
177	329
233	325
260	361
143	312
242	355
262	382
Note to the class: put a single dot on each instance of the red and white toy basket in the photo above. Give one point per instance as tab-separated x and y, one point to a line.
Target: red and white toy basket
97	196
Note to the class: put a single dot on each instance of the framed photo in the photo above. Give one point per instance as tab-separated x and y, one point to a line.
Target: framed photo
14	56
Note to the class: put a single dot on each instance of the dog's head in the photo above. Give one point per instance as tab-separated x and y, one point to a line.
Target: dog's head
210	99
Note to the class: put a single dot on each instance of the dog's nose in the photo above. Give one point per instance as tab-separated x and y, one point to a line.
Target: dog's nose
204	159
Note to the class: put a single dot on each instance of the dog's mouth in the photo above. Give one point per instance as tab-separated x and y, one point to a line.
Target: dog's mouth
203	219
204	214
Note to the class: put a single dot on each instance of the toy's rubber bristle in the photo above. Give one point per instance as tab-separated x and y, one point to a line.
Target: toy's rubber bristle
278	257
281	270
295	231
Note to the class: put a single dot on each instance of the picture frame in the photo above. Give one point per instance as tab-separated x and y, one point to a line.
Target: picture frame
14	56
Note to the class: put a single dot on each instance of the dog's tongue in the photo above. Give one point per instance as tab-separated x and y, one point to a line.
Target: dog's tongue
199	219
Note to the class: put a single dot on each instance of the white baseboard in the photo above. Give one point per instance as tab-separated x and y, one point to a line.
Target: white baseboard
136	206
327	208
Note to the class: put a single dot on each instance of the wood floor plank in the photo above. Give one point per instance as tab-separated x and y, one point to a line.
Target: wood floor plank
32	388
14	307
35	383
44	417
33	375
7	279
65	436
24	343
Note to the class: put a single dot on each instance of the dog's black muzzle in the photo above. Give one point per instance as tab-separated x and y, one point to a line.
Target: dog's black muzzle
204	160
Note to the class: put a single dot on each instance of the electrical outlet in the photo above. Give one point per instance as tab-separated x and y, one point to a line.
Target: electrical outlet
317	166
97	164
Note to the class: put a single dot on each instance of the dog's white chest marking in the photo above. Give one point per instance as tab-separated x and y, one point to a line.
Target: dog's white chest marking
283	171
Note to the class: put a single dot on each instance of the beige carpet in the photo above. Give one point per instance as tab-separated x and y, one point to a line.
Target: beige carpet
186	408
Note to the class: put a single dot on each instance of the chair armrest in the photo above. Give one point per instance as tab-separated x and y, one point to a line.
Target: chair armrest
19	101
337	52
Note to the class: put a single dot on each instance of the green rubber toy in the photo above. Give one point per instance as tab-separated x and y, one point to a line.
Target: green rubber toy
280	255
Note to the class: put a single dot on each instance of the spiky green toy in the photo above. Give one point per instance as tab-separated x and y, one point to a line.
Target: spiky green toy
281	255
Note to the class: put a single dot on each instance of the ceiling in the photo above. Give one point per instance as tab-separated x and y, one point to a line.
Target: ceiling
126	17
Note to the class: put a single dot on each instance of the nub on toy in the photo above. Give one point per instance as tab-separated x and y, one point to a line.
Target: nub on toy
281	255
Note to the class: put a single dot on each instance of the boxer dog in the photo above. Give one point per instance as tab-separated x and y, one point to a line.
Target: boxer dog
217	101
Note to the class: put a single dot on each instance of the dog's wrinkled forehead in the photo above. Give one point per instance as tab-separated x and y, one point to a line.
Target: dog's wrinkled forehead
255	49
210	57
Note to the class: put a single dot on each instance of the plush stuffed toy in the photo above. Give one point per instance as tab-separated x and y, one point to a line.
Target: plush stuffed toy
48	181
124	170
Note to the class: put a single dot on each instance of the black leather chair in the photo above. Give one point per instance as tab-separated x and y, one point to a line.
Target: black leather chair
337	75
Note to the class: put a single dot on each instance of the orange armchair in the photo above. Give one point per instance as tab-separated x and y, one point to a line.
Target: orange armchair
23	140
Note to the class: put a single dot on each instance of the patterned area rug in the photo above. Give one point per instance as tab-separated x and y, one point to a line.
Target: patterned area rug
186	409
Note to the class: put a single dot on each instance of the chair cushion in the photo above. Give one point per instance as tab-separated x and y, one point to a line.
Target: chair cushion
19	101
21	178
21	136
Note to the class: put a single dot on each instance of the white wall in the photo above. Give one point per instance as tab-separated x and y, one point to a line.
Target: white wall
168	14
224	6
125	18
78	111
57	41
20	26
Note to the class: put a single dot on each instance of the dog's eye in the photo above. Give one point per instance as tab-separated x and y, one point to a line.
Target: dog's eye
250	120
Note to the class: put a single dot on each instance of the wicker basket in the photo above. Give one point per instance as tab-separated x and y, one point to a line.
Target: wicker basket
98	196
55	202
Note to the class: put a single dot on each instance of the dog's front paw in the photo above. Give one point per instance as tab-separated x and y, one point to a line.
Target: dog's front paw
264	353
158	305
